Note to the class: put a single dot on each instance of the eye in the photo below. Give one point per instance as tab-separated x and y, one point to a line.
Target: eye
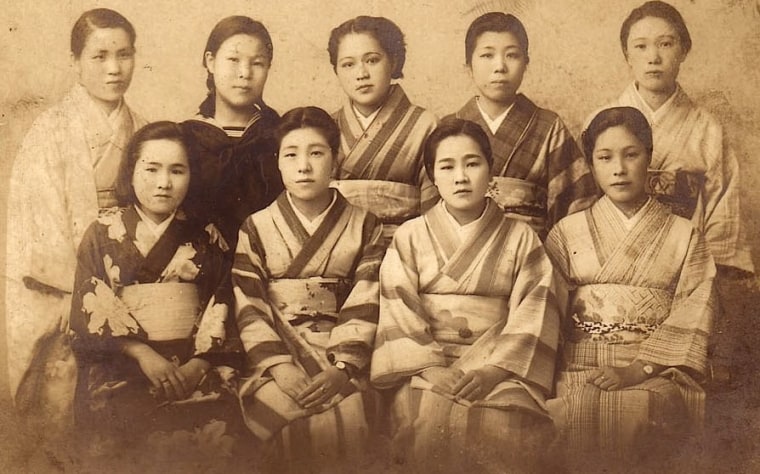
179	171
347	64
446	167
151	169
233	59
289	154
603	157
513	56
640	46
317	153
486	55
373	60
126	55
99	57
666	44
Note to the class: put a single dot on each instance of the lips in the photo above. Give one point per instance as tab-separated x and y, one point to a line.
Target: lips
364	88
462	191
304	181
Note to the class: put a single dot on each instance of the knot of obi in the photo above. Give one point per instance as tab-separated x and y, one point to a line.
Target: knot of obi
633	311
520	199
304	299
392	202
460	320
679	190
166	311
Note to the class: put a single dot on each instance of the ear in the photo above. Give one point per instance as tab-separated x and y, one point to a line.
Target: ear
208	60
76	62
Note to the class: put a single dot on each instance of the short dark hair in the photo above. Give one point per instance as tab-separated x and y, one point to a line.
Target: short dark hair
497	22
309	117
628	117
656	9
451	127
162	130
90	20
224	30
385	32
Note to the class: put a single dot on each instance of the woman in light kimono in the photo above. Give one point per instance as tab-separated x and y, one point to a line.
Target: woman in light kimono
539	174
154	344
641	304
306	285
63	175
232	131
380	165
468	320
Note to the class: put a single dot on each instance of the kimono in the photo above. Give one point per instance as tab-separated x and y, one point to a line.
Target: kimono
487	300
539	174
644	293
167	293
380	169
238	170
63	174
694	171
307	299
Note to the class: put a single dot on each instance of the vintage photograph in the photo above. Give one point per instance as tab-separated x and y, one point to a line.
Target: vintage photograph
483	236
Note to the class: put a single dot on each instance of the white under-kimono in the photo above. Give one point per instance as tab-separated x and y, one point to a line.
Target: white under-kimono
63	174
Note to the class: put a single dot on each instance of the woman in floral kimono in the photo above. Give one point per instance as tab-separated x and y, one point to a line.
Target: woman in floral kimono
539	174
380	162
63	175
232	131
306	288
468	321
153	342
641	304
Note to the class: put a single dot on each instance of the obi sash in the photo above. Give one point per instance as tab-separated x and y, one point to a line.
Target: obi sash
166	311
521	200
107	198
457	321
392	202
632	313
679	190
314	302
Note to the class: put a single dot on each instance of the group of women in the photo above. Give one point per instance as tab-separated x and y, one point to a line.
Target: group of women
475	289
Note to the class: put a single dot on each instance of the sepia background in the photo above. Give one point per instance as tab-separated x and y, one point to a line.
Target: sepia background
576	66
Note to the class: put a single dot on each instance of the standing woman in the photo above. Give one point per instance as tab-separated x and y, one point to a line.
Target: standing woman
63	175
380	165
231	133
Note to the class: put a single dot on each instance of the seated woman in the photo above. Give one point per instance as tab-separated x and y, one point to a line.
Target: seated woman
306	287
149	311
641	302
468	319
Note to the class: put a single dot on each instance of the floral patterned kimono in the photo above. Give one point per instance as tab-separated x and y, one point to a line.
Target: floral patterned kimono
380	169
63	174
641	293
167	293
307	298
539	174
487	299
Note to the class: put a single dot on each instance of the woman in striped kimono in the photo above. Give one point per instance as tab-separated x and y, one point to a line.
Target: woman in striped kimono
539	174
640	308
380	162
154	344
468	321
63	175
306	284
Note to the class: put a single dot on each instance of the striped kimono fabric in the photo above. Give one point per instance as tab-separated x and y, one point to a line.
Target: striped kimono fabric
300	298
539	173
380	169
644	293
487	300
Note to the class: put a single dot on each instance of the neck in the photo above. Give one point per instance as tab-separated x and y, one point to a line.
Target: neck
494	109
228	116
155	218
466	216
366	111
311	208
630	209
105	106
655	99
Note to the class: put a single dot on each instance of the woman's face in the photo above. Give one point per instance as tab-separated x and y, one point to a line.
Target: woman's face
161	178
497	67
105	66
364	70
240	68
461	174
654	54
619	163
306	163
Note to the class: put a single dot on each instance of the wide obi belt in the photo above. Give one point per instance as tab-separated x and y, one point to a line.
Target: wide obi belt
457	321
392	202
313	301
679	190
520	199
166	311
620	313
107	198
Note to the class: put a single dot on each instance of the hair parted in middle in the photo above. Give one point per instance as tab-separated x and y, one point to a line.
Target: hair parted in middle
496	22
309	117
452	127
385	32
629	117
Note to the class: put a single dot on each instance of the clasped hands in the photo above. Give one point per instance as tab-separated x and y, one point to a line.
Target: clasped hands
308	392
472	385
169	380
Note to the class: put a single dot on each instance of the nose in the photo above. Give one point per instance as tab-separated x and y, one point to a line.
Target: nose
500	63
361	71
113	66
619	167
244	70
460	175
303	164
654	56
164	180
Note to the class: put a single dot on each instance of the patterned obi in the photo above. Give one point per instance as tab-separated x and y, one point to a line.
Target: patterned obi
166	311
620	313
394	203
679	190
520	199
457	321
311	302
